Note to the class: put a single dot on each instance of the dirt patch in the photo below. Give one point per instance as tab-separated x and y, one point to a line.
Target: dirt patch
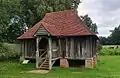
38	71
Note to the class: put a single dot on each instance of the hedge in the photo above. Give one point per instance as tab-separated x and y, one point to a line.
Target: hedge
6	53
109	51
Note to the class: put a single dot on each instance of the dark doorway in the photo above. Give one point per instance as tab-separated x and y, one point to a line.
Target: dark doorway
57	63
76	63
43	44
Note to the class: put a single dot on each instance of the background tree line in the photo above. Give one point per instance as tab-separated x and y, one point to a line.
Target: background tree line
113	38
16	14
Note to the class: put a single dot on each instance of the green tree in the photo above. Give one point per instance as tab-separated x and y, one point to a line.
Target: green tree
88	22
9	14
103	40
34	10
15	13
114	38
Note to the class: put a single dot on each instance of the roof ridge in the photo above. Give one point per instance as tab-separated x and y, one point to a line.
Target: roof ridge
87	28
59	11
61	23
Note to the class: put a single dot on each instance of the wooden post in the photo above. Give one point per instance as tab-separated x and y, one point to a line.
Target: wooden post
22	54
72	48
37	52
86	49
60	49
66	47
78	47
91	48
26	48
50	52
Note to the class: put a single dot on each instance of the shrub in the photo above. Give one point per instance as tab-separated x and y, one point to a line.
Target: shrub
7	53
99	47
109	51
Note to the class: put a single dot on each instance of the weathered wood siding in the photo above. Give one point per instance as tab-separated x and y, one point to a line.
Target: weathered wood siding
69	47
42	32
28	48
78	47
55	49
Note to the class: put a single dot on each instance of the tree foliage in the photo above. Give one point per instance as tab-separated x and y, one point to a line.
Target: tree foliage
103	40
34	10
9	16
14	14
88	22
113	39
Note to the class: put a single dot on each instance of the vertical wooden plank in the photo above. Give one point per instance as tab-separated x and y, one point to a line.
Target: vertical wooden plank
50	52
92	42
37	52
86	50
22	52
22	49
95	47
30	44
89	50
69	44
90	46
28	53
60	49
83	47
34	47
25	43
66	47
72	48
78	47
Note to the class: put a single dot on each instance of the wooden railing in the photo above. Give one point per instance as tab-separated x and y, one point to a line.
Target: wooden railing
45	52
42	57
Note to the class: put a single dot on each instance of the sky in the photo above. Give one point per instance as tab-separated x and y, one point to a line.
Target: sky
106	13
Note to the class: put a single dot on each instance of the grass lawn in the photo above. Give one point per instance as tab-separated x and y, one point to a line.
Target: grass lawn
108	67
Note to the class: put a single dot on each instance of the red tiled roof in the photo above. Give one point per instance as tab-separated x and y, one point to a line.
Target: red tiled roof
62	23
30	33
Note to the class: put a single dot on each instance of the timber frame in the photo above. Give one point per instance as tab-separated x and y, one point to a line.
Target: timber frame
59	36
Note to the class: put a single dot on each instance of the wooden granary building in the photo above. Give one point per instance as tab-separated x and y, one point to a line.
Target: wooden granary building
60	36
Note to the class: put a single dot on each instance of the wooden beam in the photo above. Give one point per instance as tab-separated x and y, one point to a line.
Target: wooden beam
72	47
26	47
22	54
78	47
50	52
66	47
37	52
92	44
60	49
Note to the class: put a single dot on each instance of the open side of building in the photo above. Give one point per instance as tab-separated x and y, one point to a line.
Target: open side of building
60	35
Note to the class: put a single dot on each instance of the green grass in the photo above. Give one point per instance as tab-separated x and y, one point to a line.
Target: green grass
108	67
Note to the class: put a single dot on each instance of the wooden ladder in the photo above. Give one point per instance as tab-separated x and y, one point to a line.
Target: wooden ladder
44	61
45	64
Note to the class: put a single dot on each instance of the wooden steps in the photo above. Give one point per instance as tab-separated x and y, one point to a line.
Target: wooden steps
44	61
45	64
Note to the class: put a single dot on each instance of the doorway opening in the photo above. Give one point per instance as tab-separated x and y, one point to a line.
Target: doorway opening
76	63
